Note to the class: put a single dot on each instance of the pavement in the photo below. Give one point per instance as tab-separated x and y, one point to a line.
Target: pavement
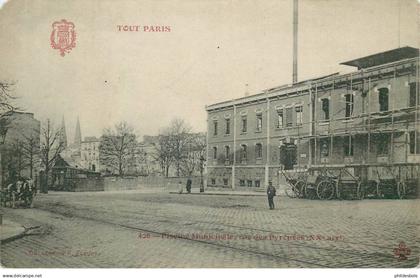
10	230
138	229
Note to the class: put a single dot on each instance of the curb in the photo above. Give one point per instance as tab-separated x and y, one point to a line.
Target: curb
16	230
217	194
14	237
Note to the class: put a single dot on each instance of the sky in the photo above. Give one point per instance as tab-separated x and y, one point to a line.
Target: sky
214	48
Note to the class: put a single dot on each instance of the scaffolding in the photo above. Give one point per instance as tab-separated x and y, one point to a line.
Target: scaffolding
369	123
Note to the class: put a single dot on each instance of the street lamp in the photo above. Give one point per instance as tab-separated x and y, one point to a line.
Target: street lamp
202	159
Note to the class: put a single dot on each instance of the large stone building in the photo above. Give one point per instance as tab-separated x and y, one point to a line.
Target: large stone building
89	153
20	151
366	116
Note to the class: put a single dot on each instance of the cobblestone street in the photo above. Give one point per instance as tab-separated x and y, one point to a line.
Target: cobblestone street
135	229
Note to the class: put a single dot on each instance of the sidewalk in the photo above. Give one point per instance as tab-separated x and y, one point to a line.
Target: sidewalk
10	230
196	191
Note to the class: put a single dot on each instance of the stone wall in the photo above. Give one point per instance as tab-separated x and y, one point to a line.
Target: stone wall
133	183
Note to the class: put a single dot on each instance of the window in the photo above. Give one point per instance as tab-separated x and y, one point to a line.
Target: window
414	95
280	118
214	152
259	122
348	145
215	128
225	182
258	150
414	147
213	181
289	117
349	105
227	152
299	115
257	183
324	147
241	182
243	153
249	182
383	99
244	124
326	108
382	144
227	126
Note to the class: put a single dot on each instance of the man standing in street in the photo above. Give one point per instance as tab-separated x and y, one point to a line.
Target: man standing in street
271	192
189	182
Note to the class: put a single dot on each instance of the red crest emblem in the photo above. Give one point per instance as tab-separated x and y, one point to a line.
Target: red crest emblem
63	36
402	252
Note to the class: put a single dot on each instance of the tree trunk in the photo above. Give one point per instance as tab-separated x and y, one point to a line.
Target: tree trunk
44	186
120	171
31	167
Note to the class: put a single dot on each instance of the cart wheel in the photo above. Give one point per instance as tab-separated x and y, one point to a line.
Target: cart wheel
401	189
300	189
325	190
309	191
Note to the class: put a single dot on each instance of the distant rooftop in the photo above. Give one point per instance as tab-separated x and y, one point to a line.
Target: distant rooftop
90	139
389	56
381	58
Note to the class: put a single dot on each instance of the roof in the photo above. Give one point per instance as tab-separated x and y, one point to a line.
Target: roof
279	90
389	56
90	139
69	159
378	59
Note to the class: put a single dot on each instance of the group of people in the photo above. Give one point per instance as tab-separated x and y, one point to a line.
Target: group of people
23	189
188	186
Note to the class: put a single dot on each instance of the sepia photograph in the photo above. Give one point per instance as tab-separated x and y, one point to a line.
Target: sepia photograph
209	134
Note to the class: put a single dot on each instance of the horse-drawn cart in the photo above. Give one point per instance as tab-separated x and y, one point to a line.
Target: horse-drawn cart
398	180
18	193
354	181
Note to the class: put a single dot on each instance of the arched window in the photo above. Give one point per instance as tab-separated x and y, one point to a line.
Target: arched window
258	150
383	99
244	154
214	152
227	152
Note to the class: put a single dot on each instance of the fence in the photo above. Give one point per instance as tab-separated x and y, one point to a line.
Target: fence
133	183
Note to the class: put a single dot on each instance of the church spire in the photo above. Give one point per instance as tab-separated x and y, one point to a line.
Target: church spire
78	134
63	135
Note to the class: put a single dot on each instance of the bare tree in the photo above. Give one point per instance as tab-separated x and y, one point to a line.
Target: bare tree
193	153
6	98
6	106
118	149
13	159
51	146
31	150
164	155
179	137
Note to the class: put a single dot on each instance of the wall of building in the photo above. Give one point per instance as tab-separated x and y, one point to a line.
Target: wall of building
22	126
89	152
364	86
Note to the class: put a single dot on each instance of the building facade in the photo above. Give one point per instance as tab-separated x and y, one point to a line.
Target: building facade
367	116
89	154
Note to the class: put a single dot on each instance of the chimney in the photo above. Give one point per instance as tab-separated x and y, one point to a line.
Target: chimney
295	41
246	90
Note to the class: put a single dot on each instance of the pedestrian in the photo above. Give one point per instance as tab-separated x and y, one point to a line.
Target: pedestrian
271	192
181	187
189	182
